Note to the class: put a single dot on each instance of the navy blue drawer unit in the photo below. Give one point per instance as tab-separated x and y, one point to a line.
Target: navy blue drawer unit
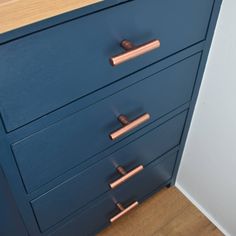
95	108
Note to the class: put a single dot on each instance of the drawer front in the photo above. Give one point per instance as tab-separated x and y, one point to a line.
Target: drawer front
147	181
49	153
76	192
70	60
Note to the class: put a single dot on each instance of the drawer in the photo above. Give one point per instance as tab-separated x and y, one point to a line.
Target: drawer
148	180
103	176
70	60
50	152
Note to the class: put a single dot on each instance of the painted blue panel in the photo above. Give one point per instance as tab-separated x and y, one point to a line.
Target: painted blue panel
98	215
52	151
68	61
10	220
94	181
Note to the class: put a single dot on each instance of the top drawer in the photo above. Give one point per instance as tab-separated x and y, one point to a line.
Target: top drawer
51	68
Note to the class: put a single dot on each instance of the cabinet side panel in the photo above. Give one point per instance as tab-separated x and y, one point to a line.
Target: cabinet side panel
10	220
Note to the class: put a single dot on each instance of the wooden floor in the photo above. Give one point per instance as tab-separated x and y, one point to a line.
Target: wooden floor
168	213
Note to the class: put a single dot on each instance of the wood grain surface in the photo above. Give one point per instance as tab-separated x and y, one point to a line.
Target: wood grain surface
168	213
17	13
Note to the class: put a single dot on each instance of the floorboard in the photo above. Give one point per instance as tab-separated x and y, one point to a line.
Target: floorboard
168	213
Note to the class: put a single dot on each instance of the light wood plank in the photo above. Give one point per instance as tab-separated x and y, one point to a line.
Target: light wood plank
150	216
18	13
166	213
190	222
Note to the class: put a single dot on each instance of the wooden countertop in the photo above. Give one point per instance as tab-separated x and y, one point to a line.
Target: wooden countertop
17	13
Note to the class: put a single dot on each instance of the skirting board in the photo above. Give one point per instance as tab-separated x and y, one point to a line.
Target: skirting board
203	210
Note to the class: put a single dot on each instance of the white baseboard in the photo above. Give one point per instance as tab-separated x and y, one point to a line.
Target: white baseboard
209	216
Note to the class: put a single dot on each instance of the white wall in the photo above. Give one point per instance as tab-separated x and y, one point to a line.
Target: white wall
208	169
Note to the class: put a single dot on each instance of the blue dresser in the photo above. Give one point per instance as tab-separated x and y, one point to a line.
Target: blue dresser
95	107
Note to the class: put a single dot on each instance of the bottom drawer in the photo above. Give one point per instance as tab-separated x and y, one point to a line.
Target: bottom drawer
99	214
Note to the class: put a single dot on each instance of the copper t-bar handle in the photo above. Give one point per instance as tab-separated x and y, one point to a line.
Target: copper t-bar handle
125	175
123	210
128	125
132	51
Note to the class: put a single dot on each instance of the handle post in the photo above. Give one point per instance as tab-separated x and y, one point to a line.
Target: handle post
128	125
132	51
123	211
125	175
